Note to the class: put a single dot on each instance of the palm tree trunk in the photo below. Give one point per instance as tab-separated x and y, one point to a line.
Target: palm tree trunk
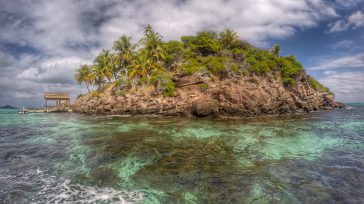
88	87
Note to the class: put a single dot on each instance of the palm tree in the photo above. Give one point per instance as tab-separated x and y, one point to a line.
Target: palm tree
148	29
158	53
152	42
142	66
124	53
228	38
84	75
103	67
276	50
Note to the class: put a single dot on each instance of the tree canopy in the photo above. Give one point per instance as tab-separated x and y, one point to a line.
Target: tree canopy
153	62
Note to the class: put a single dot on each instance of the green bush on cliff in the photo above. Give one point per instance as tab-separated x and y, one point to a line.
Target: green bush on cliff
165	82
191	66
168	87
290	67
96	94
173	47
203	86
214	64
235	68
206	42
261	61
317	85
289	82
238	54
245	72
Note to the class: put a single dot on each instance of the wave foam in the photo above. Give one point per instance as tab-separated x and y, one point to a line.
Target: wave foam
50	189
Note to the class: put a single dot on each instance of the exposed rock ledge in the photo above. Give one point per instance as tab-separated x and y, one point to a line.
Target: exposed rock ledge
238	96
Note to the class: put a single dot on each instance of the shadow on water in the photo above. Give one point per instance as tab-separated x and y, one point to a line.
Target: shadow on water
208	168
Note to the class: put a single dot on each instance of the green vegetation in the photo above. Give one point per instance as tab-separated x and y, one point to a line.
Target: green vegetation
317	86
203	86
95	94
152	62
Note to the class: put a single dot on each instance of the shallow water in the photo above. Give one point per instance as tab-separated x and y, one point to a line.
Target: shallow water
60	158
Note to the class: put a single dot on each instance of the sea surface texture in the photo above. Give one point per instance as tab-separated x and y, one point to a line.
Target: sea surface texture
70	158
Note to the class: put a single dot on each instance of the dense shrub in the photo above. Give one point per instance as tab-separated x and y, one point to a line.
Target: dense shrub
241	44
290	68
119	81
96	94
188	40
191	67
245	72
238	54
235	68
317	85
173	46
207	42
261	61
203	86
289	82
168	60
166	82
214	64
168	87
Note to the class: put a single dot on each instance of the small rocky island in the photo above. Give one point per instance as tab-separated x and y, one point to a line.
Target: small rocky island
207	75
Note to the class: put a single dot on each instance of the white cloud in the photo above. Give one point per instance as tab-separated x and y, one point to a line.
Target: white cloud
342	44
338	26
30	73
24	79
355	20
347	86
66	26
355	61
347	3
329	72
53	71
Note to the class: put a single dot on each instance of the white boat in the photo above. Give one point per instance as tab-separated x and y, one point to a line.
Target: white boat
23	111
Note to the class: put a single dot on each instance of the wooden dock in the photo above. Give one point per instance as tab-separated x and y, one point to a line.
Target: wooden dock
62	102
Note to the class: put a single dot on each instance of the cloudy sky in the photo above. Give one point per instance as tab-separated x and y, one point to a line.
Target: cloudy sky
42	42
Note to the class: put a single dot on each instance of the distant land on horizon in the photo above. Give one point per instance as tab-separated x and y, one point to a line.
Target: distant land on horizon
8	107
355	104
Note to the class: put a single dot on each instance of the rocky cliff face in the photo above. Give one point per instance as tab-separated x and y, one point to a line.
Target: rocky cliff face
206	96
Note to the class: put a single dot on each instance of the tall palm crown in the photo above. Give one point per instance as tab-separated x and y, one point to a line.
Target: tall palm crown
104	65
142	66
84	75
228	38
152	42
276	50
124	53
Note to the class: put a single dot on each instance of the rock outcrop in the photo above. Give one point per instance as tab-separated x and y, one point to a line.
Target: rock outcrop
208	96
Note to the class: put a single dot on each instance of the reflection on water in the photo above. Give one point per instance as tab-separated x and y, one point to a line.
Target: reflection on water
314	158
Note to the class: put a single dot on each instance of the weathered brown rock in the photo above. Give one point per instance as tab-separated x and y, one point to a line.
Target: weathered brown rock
237	96
203	108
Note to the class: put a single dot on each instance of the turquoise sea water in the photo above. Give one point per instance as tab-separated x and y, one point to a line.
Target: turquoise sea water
70	158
